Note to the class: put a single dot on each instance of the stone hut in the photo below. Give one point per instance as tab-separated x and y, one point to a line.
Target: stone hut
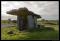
25	19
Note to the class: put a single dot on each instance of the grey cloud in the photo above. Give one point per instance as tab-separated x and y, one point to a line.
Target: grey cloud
47	9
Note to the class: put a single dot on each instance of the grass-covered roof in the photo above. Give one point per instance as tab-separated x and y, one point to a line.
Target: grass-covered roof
22	11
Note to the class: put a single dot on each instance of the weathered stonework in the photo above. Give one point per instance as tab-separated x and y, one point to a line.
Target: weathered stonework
25	18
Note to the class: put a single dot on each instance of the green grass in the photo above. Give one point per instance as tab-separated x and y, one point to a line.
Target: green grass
4	21
34	35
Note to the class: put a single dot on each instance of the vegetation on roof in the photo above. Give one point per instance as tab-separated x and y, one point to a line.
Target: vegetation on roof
22	12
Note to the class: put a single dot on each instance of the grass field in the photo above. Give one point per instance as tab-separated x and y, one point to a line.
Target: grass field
37	34
4	21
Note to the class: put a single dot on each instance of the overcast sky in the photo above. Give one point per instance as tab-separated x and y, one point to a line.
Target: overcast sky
47	9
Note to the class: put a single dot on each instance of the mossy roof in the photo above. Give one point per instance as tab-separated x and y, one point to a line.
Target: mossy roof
18	12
